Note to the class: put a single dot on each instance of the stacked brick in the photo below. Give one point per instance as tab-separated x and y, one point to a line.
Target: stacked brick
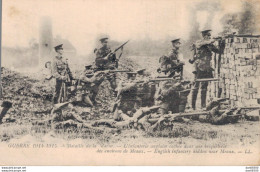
239	72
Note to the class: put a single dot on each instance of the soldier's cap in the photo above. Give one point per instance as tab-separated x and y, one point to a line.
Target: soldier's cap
130	74
175	40
141	71
88	66
58	47
103	39
205	31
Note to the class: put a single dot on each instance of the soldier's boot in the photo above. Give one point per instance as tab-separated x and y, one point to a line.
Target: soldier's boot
219	92
77	118
203	98
116	114
194	99
87	101
93	98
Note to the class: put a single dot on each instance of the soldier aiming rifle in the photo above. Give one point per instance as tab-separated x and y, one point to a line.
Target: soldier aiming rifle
88	85
202	65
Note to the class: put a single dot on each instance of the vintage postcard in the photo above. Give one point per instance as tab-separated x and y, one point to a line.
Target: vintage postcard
130	82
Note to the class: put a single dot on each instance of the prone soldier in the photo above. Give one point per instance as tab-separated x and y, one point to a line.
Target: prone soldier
171	96
202	63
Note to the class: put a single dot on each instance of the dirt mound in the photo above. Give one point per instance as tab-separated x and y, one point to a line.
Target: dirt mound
31	96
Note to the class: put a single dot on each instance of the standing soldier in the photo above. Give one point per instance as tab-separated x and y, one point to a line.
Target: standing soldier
171	63
106	60
202	65
62	74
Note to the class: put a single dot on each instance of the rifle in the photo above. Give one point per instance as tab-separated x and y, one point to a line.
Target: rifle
117	71
224	36
196	46
206	79
68	73
172	70
121	46
194	58
178	68
157	80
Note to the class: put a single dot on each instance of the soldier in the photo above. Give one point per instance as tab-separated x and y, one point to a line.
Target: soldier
5	106
145	90
167	97
91	82
202	65
127	100
171	62
106	60
62	74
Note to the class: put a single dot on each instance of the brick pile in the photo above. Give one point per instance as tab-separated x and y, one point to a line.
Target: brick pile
239	72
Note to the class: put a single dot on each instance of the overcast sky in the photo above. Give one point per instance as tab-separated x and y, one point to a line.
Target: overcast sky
83	21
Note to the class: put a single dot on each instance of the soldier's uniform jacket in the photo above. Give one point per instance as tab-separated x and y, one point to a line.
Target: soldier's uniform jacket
60	68
166	90
173	56
96	79
204	54
127	90
127	98
169	60
101	53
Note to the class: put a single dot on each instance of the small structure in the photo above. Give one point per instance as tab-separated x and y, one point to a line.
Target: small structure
45	40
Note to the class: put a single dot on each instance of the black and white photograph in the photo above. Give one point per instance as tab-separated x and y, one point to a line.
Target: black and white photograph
130	82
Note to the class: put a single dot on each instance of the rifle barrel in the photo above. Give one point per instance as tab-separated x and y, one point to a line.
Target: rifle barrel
119	71
121	46
249	107
206	79
161	79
